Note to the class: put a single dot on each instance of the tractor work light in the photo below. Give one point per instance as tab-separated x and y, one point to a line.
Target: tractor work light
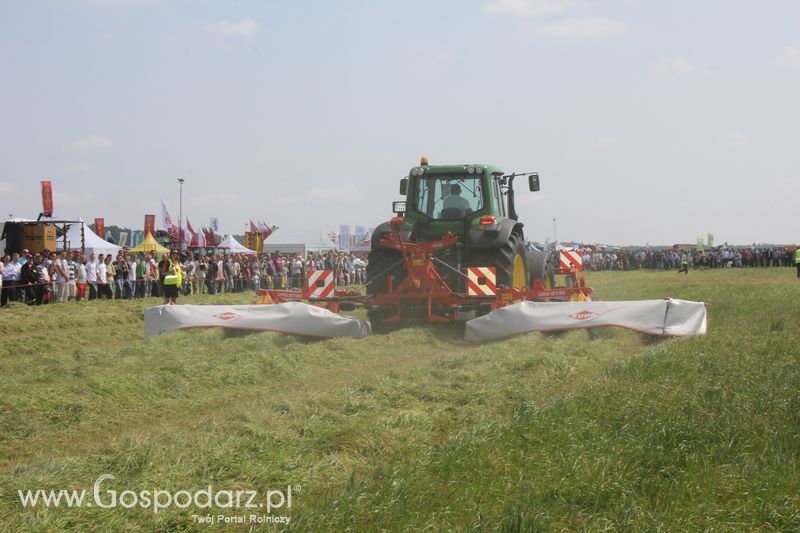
478	170
470	170
487	220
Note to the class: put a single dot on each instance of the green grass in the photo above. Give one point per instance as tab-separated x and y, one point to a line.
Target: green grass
417	429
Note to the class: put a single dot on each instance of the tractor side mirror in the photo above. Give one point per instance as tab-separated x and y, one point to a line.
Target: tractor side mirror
398	208
403	186
533	182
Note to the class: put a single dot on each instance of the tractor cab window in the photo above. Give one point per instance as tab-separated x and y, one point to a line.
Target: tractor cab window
449	197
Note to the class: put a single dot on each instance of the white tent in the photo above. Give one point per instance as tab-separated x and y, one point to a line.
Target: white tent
233	246
92	244
297	242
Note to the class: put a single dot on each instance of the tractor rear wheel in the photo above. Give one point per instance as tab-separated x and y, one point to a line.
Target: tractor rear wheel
541	267
382	263
509	261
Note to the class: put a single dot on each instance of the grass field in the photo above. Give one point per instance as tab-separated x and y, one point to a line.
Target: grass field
416	429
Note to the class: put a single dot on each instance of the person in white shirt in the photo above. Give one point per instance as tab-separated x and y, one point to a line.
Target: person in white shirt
12	272
132	275
150	274
91	276
72	286
61	277
189	272
455	200
80	279
103	288
220	274
296	271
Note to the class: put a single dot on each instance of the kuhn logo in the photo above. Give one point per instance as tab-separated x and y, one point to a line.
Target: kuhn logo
584	315
228	315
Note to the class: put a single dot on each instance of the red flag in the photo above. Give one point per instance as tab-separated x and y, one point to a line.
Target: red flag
190	229
47	198
210	238
166	220
100	227
266	231
150	224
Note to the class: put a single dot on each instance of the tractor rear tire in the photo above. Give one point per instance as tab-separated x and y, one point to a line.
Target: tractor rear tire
381	264
541	266
503	260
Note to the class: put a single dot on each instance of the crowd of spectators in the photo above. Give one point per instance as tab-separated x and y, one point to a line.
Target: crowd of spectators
670	259
50	277
39	278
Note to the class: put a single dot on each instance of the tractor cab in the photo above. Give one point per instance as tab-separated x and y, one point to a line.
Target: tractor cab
457	198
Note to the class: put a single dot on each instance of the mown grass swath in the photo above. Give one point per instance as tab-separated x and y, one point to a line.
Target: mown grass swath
417	429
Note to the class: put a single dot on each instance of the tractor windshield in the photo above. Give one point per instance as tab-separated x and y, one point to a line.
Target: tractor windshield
449	197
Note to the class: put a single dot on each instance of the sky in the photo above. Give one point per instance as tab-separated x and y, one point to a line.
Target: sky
648	122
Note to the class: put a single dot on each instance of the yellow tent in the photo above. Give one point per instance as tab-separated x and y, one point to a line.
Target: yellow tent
149	244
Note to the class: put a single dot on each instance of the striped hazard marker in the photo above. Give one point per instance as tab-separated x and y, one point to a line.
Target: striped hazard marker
571	259
481	281
319	284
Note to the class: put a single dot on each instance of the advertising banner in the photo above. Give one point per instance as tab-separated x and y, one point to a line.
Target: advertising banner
100	227
47	198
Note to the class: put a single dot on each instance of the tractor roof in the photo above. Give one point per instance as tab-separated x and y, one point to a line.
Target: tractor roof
452	169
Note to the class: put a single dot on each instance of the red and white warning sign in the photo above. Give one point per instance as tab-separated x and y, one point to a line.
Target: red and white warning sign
481	281
319	284
571	259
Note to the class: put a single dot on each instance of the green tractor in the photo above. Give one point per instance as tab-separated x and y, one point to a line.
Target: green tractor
474	202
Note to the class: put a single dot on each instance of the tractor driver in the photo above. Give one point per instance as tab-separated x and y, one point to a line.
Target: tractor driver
455	200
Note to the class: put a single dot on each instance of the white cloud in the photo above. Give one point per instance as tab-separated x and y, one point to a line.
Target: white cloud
7	188
91	143
789	58
584	27
526	8
676	65
244	28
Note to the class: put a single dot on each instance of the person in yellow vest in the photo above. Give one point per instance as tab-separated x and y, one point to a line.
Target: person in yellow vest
684	264
797	260
173	281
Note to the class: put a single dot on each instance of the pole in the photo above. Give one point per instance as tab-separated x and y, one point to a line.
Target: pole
555	235
180	214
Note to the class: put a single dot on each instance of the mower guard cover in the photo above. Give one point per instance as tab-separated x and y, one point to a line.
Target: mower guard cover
293	318
657	317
